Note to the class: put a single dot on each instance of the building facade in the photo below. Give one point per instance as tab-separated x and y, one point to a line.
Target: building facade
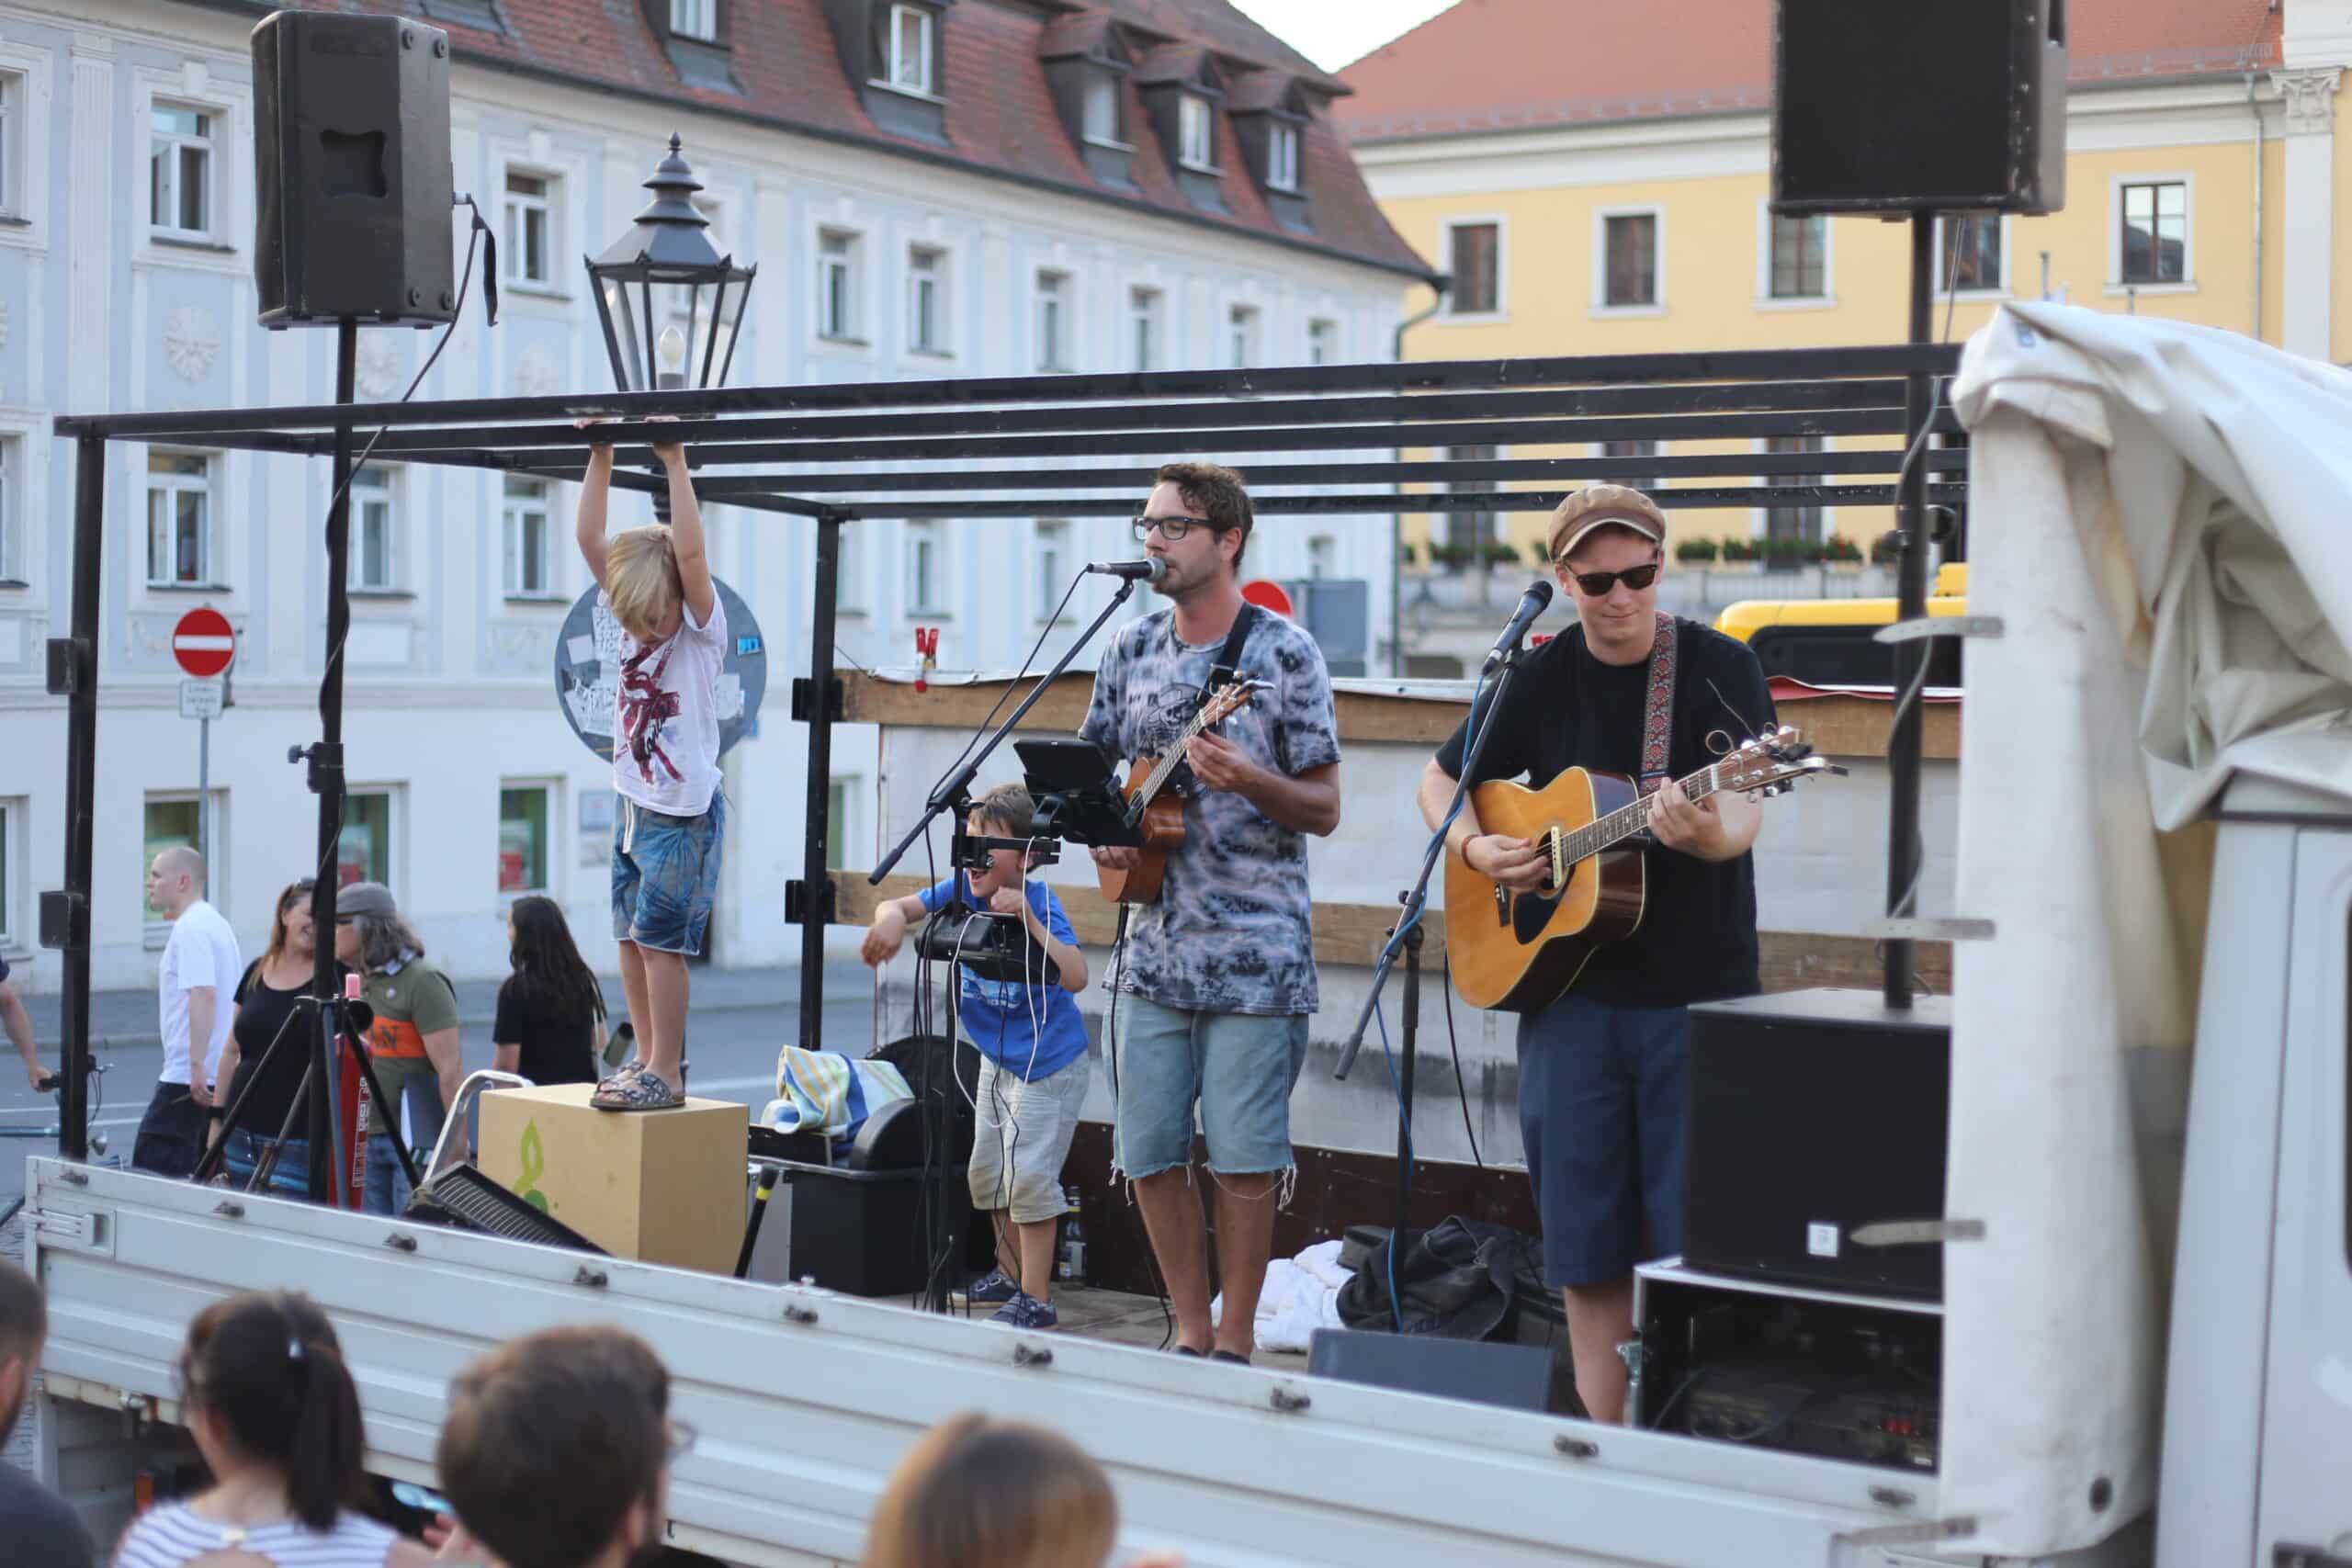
971	187
1595	183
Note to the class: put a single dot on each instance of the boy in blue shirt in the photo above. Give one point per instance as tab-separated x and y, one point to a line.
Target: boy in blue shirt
1034	1067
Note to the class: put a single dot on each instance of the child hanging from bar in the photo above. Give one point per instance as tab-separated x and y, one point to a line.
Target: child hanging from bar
672	811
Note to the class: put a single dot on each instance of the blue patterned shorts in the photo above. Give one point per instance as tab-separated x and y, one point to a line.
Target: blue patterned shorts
666	872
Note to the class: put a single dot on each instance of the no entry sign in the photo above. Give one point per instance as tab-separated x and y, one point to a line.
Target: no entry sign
203	642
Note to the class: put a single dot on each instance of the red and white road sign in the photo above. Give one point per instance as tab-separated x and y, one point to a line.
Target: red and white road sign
204	642
1269	596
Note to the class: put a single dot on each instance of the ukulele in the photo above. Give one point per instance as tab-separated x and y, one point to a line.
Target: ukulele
1520	950
1161	821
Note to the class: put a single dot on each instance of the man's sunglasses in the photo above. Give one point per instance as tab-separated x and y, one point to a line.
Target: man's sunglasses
1595	585
1171	528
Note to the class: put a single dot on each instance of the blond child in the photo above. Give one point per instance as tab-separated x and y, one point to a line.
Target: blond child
672	818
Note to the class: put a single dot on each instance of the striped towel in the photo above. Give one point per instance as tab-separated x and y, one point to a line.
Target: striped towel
826	1092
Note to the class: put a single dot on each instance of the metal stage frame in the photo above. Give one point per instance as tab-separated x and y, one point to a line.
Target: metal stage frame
816	452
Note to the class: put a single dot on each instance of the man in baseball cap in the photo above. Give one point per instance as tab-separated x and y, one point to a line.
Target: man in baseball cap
1601	1068
413	1040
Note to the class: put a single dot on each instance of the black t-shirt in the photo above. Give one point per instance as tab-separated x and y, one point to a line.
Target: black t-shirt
1564	708
262	1010
39	1527
557	1040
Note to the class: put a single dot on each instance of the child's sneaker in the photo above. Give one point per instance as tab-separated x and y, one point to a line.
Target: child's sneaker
992	1289
1025	1311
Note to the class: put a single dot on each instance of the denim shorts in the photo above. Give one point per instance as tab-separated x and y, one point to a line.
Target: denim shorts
1601	1093
666	872
1239	1068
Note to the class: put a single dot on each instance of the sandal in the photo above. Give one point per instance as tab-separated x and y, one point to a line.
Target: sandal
636	1091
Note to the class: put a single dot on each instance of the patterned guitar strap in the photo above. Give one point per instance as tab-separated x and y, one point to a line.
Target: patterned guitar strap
1658	712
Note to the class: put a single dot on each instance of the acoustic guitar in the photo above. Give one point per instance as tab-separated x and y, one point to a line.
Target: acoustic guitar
1161	820
1519	950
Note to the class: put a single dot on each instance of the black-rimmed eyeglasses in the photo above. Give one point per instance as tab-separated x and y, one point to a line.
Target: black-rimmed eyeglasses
1171	528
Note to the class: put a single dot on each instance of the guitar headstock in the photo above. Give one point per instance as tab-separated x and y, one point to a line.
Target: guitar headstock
1230	699
1772	763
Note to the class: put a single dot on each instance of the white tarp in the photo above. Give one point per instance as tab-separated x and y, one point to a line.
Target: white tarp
2161	517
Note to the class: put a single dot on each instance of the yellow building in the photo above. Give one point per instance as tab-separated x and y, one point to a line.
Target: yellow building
1594	178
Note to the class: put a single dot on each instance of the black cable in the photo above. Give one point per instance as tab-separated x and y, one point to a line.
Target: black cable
1453	1044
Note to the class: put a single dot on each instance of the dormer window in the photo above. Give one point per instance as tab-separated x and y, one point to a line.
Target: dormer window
1271	114
694	19
1196	133
895	51
903	61
1282	157
1102	113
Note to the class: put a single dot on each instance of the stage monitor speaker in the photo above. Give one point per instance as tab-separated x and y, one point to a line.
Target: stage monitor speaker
354	186
1884	105
1809	1115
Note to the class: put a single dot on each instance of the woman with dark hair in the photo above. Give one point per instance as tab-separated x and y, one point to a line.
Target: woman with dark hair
274	1412
268	1002
551	1023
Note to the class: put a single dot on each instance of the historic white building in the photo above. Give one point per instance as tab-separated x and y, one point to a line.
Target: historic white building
952	189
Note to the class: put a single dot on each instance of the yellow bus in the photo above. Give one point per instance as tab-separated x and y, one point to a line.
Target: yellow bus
1828	642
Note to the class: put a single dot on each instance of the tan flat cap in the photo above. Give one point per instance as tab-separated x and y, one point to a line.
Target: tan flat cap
1600	506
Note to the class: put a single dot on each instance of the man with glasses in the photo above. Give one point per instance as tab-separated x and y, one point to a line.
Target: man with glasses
1218	973
1601	1070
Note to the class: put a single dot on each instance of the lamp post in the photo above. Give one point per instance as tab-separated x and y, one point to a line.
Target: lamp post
668	301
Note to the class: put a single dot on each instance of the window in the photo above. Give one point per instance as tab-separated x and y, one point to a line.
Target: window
178	822
531	541
12	566
1053	321
363	850
12	99
837	284
1101	121
373	563
1474	252
530	229
1196	133
1468	532
524	812
1322	342
905	53
1282	157
1243	337
926	571
1629	260
838	794
1143	328
1970	255
927	301
11	812
1052	550
1322	557
1800	524
179	519
2153	240
179	170
1800	258
1629	453
694	19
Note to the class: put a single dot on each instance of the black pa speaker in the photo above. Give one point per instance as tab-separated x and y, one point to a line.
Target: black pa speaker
1811	1114
1894	105
351	152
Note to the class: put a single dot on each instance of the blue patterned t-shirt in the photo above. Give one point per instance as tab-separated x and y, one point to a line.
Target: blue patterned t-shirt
1232	930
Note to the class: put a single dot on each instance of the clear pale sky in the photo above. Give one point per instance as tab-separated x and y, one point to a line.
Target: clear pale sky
1333	33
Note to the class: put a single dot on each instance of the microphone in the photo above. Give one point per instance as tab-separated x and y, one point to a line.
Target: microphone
1531	605
1151	569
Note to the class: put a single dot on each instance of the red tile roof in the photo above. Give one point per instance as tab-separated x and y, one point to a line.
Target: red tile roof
999	118
1508	64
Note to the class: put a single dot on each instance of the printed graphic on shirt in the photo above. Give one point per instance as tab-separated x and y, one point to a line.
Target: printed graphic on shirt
645	709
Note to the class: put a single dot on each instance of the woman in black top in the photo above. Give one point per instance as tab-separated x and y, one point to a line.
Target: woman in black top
266	1000
551	1023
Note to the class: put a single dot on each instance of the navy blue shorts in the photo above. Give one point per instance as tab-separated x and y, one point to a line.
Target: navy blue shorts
1600	1092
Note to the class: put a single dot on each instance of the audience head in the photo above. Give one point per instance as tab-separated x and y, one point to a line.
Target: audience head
290	927
978	1493
369	934
23	1324
175	879
555	1451
265	1386
545	957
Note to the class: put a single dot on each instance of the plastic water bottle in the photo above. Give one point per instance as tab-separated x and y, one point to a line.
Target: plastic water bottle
1071	1262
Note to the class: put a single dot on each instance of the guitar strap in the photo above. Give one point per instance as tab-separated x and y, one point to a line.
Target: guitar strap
1228	657
1657	709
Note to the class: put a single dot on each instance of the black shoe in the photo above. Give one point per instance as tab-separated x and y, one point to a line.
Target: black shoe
1238	1360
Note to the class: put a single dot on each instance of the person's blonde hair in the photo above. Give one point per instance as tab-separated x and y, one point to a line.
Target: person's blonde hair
641	578
978	1493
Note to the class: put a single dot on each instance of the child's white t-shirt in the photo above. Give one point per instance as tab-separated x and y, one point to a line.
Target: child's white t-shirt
665	714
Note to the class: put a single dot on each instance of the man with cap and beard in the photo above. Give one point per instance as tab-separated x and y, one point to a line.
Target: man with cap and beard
1602	1069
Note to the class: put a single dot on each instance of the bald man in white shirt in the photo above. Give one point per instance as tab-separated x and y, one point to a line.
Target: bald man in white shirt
199	970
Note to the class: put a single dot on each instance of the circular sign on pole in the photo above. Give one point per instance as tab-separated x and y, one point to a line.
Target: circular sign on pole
204	642
588	670
1268	594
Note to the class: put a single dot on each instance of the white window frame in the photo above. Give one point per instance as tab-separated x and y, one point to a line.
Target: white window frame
212	820
1104	86
209	141
13	836
13	566
24	144
1765	298
1501	226
925	590
1759	518
395	829
1049	557
1322	340
840	279
175	484
376	484
2115	287
930	269
191	85
1196	134
1245	335
1147	328
2000	290
1601	217
1051	321
920	83
1282	156
14	86
515	210
550	861
697	19
513	511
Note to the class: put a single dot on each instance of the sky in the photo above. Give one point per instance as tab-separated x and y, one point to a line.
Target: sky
1333	33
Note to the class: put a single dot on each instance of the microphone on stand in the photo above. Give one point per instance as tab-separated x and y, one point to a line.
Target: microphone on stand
1531	605
1151	569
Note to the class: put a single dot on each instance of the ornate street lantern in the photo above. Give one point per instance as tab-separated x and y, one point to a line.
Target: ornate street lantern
670	303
